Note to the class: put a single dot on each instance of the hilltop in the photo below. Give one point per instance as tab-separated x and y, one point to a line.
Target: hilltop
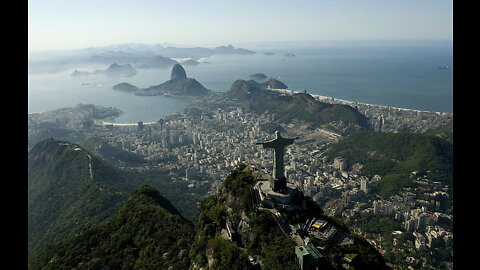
274	84
299	106
125	87
258	76
178	85
146	233
236	226
68	190
114	69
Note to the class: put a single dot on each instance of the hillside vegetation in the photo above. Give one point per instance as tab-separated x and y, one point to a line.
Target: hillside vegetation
147	233
258	233
63	197
300	106
394	156
70	188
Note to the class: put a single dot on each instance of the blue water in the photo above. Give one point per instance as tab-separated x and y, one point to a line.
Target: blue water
403	76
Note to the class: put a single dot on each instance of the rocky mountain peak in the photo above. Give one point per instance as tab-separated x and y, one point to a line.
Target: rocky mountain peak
178	72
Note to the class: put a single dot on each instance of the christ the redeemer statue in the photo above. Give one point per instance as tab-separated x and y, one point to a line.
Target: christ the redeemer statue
278	144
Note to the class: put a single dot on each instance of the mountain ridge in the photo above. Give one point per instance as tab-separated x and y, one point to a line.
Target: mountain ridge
300	106
146	233
140	55
67	191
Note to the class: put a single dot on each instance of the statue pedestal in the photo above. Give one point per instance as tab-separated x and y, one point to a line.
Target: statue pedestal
279	185
274	199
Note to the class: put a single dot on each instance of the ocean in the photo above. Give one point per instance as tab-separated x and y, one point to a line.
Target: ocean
398	76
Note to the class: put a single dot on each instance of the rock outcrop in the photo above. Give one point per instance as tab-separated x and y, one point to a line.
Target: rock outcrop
178	73
178	85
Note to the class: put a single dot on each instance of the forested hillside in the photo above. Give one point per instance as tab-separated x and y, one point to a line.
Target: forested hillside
394	156
147	233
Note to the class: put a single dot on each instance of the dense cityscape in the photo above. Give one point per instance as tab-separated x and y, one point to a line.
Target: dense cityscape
204	147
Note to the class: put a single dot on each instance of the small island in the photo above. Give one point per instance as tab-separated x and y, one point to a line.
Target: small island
125	87
258	76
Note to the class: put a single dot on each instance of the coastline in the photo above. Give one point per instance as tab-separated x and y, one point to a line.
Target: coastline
332	100
382	118
125	124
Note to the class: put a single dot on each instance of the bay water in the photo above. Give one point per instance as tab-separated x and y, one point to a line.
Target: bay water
397	76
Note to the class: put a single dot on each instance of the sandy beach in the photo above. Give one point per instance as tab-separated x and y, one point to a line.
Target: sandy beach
354	103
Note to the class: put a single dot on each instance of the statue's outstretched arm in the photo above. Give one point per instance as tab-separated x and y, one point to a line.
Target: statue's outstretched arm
265	144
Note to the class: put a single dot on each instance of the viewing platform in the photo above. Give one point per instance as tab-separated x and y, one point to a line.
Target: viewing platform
273	199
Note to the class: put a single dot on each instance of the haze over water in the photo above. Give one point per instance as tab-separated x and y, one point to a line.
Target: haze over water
398	76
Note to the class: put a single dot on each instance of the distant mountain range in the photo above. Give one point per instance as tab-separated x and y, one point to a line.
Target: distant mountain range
138	55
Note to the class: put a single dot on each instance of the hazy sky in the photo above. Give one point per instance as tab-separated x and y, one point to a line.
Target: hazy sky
60	24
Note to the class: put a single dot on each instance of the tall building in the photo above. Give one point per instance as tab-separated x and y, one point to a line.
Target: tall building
363	185
421	222
377	207
339	163
410	225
